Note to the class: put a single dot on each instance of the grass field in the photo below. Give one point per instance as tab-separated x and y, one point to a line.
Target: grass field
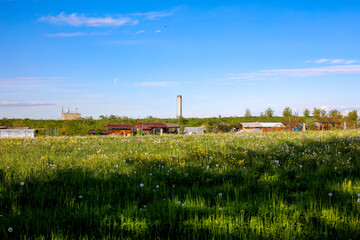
226	186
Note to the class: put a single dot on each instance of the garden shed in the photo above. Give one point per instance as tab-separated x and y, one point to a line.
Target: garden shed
120	129
194	130
17	133
263	126
157	127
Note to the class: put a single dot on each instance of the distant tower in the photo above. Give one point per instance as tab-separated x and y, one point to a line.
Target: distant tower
179	106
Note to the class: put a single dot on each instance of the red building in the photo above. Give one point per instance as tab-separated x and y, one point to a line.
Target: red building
120	129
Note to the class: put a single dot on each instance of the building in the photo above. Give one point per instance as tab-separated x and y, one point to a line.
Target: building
157	127
119	129
194	130
17	132
263	126
69	116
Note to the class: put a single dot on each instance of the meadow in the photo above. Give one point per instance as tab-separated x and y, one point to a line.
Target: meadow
216	186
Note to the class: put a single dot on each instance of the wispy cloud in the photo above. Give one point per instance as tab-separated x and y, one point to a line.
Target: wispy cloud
349	107
139	32
157	31
156	84
295	73
24	104
155	15
334	61
116	81
77	34
79	20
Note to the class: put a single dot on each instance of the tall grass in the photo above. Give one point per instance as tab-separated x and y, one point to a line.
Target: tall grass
251	186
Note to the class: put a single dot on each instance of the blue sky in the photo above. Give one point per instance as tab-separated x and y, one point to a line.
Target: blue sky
132	58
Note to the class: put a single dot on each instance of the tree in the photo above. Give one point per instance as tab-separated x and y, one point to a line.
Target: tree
352	116
247	113
269	112
306	112
316	113
287	112
322	112
292	122
335	115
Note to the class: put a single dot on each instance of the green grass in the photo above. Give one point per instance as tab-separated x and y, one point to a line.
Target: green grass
226	186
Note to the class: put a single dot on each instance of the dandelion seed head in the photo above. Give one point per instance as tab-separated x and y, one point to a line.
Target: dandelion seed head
22	183
330	194
141	185
10	229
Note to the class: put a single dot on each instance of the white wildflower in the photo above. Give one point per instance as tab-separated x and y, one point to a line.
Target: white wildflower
141	185
330	194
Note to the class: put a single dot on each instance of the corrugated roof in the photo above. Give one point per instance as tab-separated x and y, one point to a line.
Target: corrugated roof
149	125
262	125
118	126
251	125
172	125
272	124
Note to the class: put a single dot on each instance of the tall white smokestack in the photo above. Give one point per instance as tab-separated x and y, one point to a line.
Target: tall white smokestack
179	106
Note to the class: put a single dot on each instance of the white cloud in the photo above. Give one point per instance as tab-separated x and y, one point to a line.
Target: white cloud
155	84
116	80
296	73
76	34
350	107
23	104
156	15
79	20
157	31
343	61
322	60
333	61
139	32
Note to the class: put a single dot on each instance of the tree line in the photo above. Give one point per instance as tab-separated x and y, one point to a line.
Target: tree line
215	124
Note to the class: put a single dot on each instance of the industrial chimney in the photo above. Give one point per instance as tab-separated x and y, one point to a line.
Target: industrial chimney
179	106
